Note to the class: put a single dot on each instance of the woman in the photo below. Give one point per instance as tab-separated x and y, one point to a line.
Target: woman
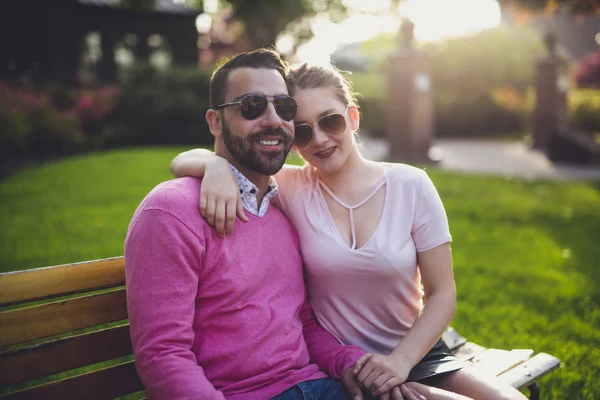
370	234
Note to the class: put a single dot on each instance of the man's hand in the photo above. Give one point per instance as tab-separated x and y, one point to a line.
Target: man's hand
379	374
351	385
407	392
402	392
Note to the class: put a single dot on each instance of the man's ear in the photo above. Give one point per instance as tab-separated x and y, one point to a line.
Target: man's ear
215	122
354	117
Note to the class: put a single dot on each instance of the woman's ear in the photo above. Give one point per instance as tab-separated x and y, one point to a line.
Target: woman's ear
215	122
354	117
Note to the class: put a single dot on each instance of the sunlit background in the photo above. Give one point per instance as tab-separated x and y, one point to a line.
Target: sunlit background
98	96
434	20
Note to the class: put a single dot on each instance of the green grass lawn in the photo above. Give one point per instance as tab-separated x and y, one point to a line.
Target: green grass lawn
526	253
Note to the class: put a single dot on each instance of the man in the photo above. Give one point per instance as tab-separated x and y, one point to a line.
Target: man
216	318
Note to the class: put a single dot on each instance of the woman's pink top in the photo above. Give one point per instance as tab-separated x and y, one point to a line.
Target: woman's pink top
368	296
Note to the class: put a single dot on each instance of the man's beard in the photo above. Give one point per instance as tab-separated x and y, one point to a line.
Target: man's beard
265	163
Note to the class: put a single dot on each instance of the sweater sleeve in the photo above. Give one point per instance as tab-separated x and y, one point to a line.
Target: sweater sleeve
323	348
163	262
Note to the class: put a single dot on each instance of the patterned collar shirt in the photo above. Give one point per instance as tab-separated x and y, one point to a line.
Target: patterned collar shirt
249	193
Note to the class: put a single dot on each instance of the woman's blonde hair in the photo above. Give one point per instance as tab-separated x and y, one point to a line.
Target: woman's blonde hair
313	77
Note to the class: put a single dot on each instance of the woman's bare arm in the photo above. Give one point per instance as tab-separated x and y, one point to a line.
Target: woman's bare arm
220	200
380	373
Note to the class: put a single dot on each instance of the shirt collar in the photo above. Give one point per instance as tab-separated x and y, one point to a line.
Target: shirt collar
249	193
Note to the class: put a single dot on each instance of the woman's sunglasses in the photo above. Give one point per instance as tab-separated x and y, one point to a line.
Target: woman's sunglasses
253	106
332	124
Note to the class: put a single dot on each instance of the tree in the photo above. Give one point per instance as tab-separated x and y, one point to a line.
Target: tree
575	6
265	20
136	4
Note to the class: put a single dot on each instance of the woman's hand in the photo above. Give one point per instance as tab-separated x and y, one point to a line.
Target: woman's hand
220	200
379	374
219	195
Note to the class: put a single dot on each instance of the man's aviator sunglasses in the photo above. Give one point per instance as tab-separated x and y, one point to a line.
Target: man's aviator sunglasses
332	125
253	106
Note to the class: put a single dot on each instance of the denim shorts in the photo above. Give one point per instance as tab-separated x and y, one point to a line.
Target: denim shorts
318	389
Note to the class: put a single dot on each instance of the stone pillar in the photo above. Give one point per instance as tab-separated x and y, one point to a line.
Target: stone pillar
108	66
409	109
142	48
184	45
551	85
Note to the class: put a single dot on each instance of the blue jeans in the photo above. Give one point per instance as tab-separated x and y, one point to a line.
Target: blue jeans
319	389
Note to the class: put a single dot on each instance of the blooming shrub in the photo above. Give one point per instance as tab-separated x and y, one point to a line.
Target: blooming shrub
93	107
587	71
34	124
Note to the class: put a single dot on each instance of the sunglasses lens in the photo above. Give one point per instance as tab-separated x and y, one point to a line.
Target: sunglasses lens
333	124
252	107
285	107
302	135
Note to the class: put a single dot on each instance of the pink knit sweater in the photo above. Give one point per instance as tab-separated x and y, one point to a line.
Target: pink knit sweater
220	318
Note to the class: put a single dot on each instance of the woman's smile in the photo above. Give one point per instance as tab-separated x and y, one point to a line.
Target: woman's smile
325	153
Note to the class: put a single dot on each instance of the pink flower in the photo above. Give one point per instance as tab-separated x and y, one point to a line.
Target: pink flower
84	103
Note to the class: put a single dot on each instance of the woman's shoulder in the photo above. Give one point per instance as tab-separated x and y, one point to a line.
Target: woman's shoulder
404	174
294	183
294	176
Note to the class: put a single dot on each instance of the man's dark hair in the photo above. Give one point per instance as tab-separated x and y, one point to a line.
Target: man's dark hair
261	58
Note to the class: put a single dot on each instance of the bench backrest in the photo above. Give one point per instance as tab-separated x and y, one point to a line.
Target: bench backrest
66	318
64	335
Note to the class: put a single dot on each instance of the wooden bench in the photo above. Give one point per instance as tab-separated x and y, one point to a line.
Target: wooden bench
64	335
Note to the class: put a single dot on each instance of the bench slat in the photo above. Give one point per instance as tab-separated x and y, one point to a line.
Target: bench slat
65	354
43	320
453	339
103	384
22	286
468	351
495	361
531	370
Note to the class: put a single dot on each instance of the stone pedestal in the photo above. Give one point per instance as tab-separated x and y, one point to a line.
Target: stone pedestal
409	108
551	85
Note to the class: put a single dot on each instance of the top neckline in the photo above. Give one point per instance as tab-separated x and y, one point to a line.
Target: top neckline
351	212
360	203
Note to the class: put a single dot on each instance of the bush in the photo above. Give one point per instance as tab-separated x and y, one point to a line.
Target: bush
479	83
494	58
370	85
587	71
93	107
160	108
14	133
457	115
370	89
152	108
373	118
584	110
54	133
32	126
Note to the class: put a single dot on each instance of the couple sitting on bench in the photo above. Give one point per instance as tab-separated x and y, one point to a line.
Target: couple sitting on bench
221	315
